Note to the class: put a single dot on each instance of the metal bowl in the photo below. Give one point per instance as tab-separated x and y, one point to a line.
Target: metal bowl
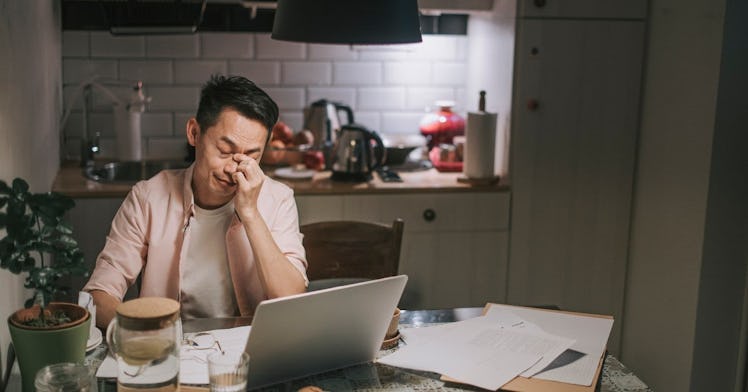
398	155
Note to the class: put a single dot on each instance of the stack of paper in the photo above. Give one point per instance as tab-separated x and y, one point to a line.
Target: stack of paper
505	343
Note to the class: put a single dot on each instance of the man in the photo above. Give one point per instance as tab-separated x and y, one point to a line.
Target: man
219	236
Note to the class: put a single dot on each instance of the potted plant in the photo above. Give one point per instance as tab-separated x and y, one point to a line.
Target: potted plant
38	243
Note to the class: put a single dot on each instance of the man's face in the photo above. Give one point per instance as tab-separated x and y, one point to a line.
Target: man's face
218	152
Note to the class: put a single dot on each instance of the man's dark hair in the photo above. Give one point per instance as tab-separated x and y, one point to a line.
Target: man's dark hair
238	93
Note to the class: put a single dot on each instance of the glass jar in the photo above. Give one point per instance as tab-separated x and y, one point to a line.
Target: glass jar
144	338
65	377
442	125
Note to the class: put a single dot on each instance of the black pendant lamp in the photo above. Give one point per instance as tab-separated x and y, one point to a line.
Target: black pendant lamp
350	22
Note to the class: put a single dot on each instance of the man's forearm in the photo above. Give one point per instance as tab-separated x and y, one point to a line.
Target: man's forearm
106	306
278	276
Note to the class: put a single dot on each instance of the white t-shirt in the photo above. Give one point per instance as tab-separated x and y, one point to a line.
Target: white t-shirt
207	290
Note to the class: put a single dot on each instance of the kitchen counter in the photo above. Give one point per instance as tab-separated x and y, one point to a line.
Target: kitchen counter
70	181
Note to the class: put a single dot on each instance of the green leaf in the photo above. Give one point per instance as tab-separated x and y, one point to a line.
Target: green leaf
42	246
66	242
64	228
17	261
34	229
51	204
16	221
29	263
48	231
20	186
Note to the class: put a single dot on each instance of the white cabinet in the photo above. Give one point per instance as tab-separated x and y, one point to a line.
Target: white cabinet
91	220
574	132
455	245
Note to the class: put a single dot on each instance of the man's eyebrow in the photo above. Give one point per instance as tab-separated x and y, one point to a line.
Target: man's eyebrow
233	145
228	141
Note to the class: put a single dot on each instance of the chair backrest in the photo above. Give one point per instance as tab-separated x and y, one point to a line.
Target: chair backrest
350	249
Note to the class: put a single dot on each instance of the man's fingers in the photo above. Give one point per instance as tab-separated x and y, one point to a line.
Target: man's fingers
239	178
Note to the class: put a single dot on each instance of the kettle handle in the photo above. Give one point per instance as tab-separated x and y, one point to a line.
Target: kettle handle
347	109
379	150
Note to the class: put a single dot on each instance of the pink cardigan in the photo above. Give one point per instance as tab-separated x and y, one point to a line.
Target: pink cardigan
151	233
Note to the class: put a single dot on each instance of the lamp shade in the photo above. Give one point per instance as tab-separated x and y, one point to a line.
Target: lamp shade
360	22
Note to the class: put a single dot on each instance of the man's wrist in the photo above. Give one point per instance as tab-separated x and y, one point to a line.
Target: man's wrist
247	214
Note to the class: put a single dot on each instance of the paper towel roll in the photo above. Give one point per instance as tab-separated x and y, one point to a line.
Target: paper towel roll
127	132
480	145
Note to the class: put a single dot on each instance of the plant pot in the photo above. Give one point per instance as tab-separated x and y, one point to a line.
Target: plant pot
37	347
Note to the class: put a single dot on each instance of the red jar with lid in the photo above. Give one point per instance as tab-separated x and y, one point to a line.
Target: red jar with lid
442	125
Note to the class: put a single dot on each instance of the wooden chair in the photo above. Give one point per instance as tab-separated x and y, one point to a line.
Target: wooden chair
341	252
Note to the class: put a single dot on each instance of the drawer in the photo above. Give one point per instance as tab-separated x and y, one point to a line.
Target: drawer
432	211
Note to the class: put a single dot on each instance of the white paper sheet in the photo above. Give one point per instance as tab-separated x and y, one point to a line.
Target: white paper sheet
590	335
478	351
193	367
583	368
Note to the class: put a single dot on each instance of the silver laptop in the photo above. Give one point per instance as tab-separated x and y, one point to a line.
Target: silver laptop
313	332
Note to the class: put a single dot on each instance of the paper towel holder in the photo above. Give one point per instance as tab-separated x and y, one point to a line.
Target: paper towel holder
485	123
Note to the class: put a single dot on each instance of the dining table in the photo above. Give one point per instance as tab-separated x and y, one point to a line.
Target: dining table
374	376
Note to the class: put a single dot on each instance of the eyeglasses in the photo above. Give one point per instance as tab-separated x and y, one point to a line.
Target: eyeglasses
201	341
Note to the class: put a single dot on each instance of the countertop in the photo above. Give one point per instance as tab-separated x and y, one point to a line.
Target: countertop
70	181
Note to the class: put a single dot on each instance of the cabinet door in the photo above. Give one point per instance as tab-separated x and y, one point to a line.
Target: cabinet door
91	220
455	245
618	9
469	269
319	208
573	149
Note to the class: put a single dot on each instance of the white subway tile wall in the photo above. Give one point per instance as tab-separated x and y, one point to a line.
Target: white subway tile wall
388	88
422	98
358	73
344	95
75	43
313	73
414	73
104	44
197	71
156	124
173	97
226	45
177	46
147	71
78	70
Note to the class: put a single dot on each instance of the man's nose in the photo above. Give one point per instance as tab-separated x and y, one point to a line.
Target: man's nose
238	158
230	167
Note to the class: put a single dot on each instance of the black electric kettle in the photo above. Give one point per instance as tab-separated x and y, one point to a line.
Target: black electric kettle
356	154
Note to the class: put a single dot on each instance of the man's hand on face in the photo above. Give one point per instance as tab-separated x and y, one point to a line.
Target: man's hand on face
249	178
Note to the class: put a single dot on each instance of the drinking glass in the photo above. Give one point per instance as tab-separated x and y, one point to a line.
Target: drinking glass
65	377
228	371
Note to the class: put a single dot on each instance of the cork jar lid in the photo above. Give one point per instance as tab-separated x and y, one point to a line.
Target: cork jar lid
147	313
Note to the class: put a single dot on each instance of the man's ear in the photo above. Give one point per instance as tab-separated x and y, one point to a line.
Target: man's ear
193	131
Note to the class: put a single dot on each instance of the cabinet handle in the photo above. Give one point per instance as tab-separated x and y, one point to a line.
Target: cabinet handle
539	3
533	104
429	215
